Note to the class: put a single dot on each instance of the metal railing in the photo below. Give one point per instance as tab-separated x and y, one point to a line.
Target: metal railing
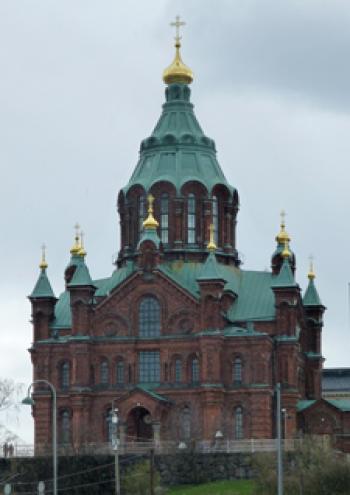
162	447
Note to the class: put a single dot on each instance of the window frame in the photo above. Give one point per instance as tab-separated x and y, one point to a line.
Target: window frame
149	318
191	219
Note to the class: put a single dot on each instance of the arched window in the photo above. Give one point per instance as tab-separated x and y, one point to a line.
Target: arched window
65	427
178	370
65	375
191	219
109	426
149	317
237	370
185	423
216	219
195	370
104	373
141	214
164	218
238	423
120	373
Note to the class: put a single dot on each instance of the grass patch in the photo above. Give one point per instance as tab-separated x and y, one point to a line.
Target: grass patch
237	487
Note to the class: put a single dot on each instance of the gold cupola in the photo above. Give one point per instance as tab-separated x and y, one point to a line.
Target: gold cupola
311	275
43	263
76	246
177	72
150	222
282	237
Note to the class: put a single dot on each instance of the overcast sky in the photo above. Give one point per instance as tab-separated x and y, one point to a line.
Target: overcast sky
80	87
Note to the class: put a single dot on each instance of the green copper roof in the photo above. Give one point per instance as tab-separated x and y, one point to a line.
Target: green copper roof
81	276
285	278
43	287
211	269
177	151
311	297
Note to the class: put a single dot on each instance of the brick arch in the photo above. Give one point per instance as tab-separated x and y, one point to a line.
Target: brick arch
155	293
130	215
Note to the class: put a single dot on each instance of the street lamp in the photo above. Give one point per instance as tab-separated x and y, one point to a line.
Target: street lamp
30	402
115	420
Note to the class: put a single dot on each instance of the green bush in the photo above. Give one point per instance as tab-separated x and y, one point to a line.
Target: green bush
314	468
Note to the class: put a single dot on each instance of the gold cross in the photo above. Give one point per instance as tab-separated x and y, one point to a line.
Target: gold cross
177	24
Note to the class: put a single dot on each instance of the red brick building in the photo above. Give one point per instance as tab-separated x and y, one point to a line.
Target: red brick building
182	339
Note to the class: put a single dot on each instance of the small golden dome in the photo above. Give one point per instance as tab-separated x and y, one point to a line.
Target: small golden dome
76	246
286	253
177	72
150	222
211	244
282	236
43	263
311	275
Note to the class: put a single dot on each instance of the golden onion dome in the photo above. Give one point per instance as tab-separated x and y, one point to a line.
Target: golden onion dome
282	237
211	244
150	222
76	246
311	275
177	72
286	253
43	263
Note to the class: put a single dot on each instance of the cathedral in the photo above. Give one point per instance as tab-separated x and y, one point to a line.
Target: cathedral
186	344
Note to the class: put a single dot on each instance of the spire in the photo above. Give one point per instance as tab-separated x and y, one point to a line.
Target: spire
283	236
211	245
285	277
177	72
311	297
43	264
150	222
42	287
76	246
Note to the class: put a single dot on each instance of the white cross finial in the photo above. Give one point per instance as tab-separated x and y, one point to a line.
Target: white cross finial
177	24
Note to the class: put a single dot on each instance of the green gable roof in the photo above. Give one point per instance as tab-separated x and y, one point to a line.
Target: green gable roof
177	151
81	276
341	404
43	287
285	277
311	297
211	270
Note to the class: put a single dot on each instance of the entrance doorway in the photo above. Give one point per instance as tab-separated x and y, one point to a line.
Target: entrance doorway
139	425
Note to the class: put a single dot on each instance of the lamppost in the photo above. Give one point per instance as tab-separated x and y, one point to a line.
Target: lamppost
30	402
115	420
279	441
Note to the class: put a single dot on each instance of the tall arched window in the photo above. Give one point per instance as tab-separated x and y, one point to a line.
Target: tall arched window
65	375
120	373
191	219
178	370
65	427
195	370
237	370
141	214
238	423
149	317
216	219
185	423
164	218
104	373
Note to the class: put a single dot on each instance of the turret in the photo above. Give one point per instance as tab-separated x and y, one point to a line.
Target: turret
282	238
80	287
149	246
211	285
43	302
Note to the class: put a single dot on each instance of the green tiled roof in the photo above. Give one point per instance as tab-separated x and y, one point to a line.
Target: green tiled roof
285	277
254	302
177	151
311	297
149	391
81	276
43	287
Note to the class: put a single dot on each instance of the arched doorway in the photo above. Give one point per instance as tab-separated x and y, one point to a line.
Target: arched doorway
139	425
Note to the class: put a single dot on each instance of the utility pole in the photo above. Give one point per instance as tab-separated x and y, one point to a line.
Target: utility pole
279	441
151	462
115	448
